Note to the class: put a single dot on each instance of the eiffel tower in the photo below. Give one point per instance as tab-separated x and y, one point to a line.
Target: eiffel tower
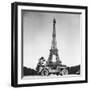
54	50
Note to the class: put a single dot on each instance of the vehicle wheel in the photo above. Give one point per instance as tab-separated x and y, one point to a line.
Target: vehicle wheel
45	72
64	72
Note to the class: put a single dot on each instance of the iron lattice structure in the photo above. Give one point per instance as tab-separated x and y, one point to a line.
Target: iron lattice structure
54	50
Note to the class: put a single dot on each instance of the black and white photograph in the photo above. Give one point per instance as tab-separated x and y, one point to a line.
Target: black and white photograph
51	44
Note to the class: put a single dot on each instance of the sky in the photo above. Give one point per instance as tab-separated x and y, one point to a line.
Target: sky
37	37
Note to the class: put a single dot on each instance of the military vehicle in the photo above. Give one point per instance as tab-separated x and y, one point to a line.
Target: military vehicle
45	69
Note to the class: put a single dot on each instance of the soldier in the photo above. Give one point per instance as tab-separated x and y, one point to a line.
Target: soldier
41	63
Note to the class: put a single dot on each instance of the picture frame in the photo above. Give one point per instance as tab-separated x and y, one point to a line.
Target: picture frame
34	27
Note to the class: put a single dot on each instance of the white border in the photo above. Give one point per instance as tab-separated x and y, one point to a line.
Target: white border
82	34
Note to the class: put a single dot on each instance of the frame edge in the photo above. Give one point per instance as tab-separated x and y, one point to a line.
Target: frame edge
14	44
